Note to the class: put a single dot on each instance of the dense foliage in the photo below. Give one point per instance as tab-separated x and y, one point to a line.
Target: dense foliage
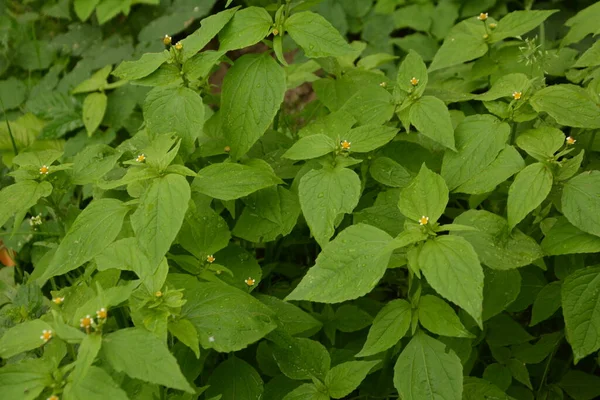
299	200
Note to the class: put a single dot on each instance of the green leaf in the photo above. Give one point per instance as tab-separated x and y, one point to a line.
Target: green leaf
581	200
247	27
590	58
479	140
569	105
438	317
505	86
93	162
508	163
581	309
13	93
502	330
452	268
536	353
425	370
427	195
93	230
160	214
94	107
300	358
139	354
529	189
350	318
518	23
235	379
253	90
312	146
293	320
564	238
412	67
582	24
324	194
388	172
176	110
209	27
230	181
369	137
201	65
465	42
88	350
369	105
25	380
147	64
569	167
344	378
389	326
498	374
84	8
96	385
541	143
227	319
308	391
431	118
360	251
23	337
546	303
476	389
500	289
580	386
21	196
203	232
495	245
316	36
185	332
519	372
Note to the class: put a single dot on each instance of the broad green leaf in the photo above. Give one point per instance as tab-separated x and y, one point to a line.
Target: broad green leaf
316	36
94	107
209	27
518	23
508	163
147	64
88	350
426	196
581	201
253	90
96	385
431	118
25	380
300	358
412	67
93	230
160	214
344	378
139	354
425	370
581	309
536	353
361	252
500	289
98	81
324	194
84	8
580	385
369	137
247	27
465	42
388	172
590	58
569	105
21	196
505	86
529	189
569	167
546	303
541	143
178	110
564	238
350	318
269	213
200	66
235	379
582	24
498	374
477	388
185	332
230	181
495	246
124	254
227	319
452	268
292	319
279	386
502	330
389	326
312	146
479	140
23	337
438	317
93	162
203	232
241	265
308	391
13	93
519	372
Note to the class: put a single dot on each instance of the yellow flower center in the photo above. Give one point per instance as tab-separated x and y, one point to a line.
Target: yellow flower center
423	220
58	300
44	170
345	145
167	40
275	32
179	46
483	16
86	322
53	397
250	281
140	158
414	81
210	258
46	335
517	95
158	294
493	25
101	313
570	140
